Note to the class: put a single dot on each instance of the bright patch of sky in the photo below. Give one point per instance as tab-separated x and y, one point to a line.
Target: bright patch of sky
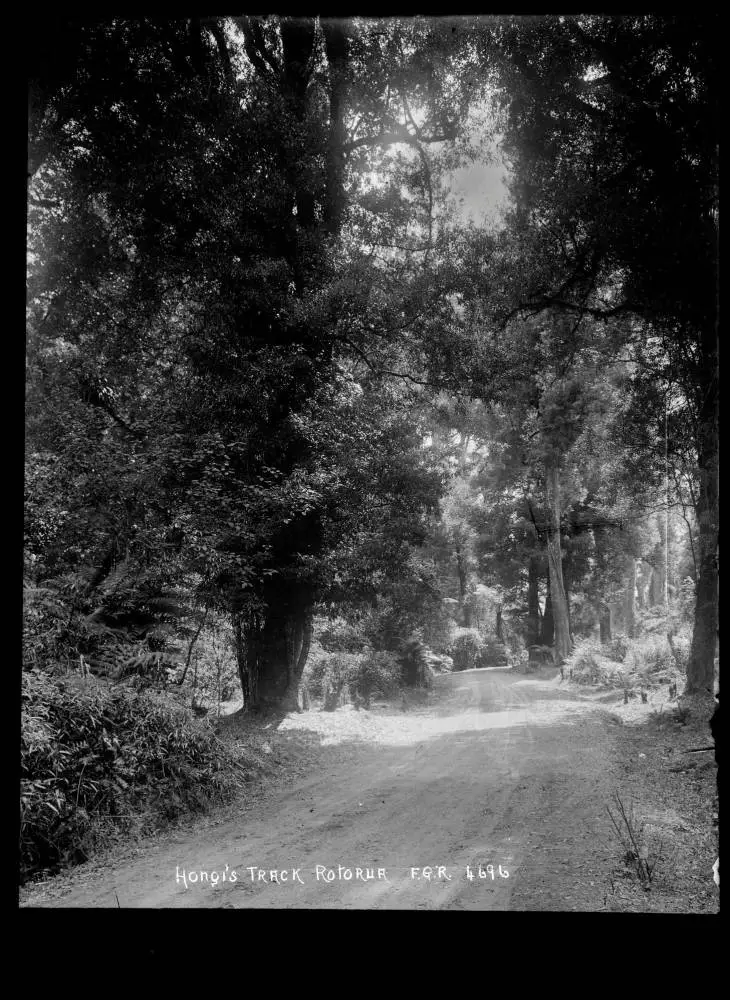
483	190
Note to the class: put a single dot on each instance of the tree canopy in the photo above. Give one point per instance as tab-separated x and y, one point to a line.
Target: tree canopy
273	373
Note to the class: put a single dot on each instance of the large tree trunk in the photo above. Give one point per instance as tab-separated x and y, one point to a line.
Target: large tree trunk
561	620
630	597
643	583
566	586
701	667
657	587
298	645
533	601
605	623
272	659
547	632
463	585
267	660
247	667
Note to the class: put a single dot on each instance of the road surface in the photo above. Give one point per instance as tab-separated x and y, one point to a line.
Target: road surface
496	770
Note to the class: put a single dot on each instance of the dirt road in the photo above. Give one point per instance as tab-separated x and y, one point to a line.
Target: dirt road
509	772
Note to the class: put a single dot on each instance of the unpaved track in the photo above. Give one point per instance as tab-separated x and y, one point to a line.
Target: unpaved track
497	769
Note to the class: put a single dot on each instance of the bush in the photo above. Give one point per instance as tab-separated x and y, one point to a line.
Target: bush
516	647
377	674
587	664
96	761
128	618
338	635
413	657
331	675
316	667
616	649
440	664
336	676
652	654
436	628
538	656
465	649
340	673
681	645
686	600
213	672
491	652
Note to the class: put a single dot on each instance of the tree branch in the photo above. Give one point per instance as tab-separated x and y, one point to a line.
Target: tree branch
397	135
549	302
381	372
44	202
214	27
255	46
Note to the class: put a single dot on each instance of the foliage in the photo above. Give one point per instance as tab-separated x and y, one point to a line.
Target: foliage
212	676
587	664
493	652
686	599
413	656
616	649
365	674
439	663
466	648
271	372
211	332
653	655
647	661
378	675
632	838
127	625
236	359
339	673
339	634
95	760
328	668
589	101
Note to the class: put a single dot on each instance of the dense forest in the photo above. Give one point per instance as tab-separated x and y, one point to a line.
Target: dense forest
300	428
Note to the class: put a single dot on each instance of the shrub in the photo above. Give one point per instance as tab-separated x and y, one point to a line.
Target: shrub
491	652
415	668
539	656
616	649
336	675
587	664
378	673
515	642
316	668
339	635
96	760
686	600
652	655
436	628
465	649
213	672
340	672
331	674
440	664
681	644
130	615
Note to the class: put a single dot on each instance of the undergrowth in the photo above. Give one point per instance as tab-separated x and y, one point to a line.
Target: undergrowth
98	760
638	854
368	673
651	660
